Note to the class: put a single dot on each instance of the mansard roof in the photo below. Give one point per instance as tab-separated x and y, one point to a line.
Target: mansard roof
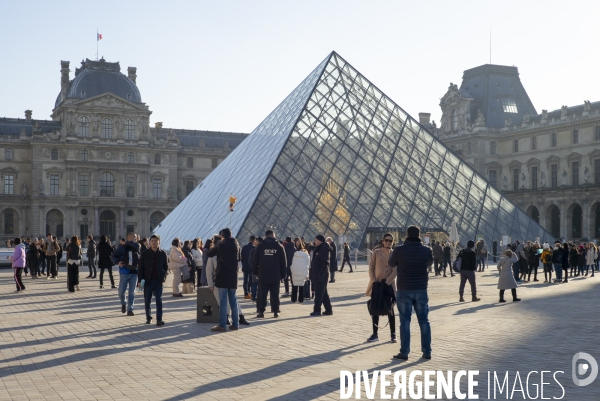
14	126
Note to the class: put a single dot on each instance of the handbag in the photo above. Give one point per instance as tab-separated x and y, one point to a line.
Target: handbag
457	263
306	289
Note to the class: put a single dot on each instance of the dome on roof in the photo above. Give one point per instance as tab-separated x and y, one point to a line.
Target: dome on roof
97	77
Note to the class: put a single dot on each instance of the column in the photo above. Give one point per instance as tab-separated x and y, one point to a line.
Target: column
43	221
97	221
563	219
542	210
585	226
122	222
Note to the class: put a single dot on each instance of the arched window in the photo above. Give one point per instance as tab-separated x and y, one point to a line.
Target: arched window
157	158
84	155
129	129
107	126
190	162
454	117
214	163
84	127
54	154
492	148
8	154
107	184
130	158
9	221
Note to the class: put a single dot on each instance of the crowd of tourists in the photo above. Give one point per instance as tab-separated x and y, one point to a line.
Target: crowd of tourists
398	273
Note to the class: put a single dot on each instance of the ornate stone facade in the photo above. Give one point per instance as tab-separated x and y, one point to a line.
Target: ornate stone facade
98	167
548	163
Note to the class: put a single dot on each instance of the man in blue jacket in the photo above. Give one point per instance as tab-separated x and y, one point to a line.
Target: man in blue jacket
412	260
128	274
247	268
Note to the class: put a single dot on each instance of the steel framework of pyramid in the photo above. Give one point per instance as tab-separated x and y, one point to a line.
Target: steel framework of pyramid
338	157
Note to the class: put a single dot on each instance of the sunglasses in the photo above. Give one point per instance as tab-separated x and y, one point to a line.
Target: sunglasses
388	240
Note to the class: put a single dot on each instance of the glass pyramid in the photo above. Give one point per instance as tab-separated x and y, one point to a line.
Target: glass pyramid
338	157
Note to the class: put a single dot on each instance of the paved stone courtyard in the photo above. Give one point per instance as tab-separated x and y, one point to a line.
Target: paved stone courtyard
57	345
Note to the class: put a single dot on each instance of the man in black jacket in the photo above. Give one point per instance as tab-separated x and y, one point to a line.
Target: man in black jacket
290	250
412	260
467	271
226	280
270	265
91	256
246	266
152	269
319	273
333	265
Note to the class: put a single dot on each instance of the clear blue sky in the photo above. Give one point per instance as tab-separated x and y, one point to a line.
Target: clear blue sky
224	65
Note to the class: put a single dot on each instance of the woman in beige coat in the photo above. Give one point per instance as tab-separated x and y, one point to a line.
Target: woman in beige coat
177	261
380	270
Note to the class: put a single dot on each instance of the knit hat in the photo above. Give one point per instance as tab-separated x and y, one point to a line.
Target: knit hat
470	244
320	238
546	246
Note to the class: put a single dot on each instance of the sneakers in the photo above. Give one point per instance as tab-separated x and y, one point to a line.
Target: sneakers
260	316
328	313
129	313
425	356
315	314
373	338
218	329
123	308
113	286
401	357
276	314
393	339
160	323
475	299
285	295
76	288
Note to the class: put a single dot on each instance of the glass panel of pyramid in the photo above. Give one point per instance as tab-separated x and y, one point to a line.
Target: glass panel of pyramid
338	157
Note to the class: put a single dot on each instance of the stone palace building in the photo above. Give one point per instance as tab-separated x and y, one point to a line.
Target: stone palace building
98	167
547	163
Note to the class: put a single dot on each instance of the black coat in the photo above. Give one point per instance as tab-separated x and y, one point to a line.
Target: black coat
228	255
91	250
333	265
73	252
104	251
319	265
146	263
346	252
246	261
469	259
412	260
270	262
290	250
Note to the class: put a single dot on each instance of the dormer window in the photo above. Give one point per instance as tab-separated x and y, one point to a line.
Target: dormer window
128	96
509	105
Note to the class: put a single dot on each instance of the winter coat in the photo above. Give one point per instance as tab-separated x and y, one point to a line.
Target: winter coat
270	262
557	255
546	254
73	252
197	257
211	268
290	251
104	251
469	260
176	258
447	252
591	257
379	269
319	265
33	255
573	257
146	265
18	256
438	252
228	255
133	248
506	280
299	268
581	256
333	264
246	261
346	252
91	250
412	260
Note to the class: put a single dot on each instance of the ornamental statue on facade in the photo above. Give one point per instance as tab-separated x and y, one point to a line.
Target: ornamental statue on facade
505	184
543	180
586	175
523	181
564	178
480	121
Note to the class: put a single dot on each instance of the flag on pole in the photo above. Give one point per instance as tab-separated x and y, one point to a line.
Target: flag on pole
98	37
232	201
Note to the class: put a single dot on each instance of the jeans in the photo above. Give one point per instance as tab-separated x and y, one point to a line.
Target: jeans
321	296
254	289
92	266
470	276
558	270
154	287
224	294
406	301
262	297
127	280
42	265
51	266
481	261
247	282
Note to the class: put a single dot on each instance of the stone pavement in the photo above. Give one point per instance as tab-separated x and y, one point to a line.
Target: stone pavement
57	345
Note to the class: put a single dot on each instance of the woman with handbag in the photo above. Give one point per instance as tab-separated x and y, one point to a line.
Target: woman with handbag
379	270
73	261
299	269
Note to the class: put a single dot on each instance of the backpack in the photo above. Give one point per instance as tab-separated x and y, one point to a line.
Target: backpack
456	265
547	257
382	299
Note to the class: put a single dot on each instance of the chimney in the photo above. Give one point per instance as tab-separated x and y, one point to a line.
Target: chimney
64	78
131	73
158	125
424	118
28	114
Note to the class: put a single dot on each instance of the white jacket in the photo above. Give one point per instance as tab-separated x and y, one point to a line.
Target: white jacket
299	268
211	268
590	257
197	256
